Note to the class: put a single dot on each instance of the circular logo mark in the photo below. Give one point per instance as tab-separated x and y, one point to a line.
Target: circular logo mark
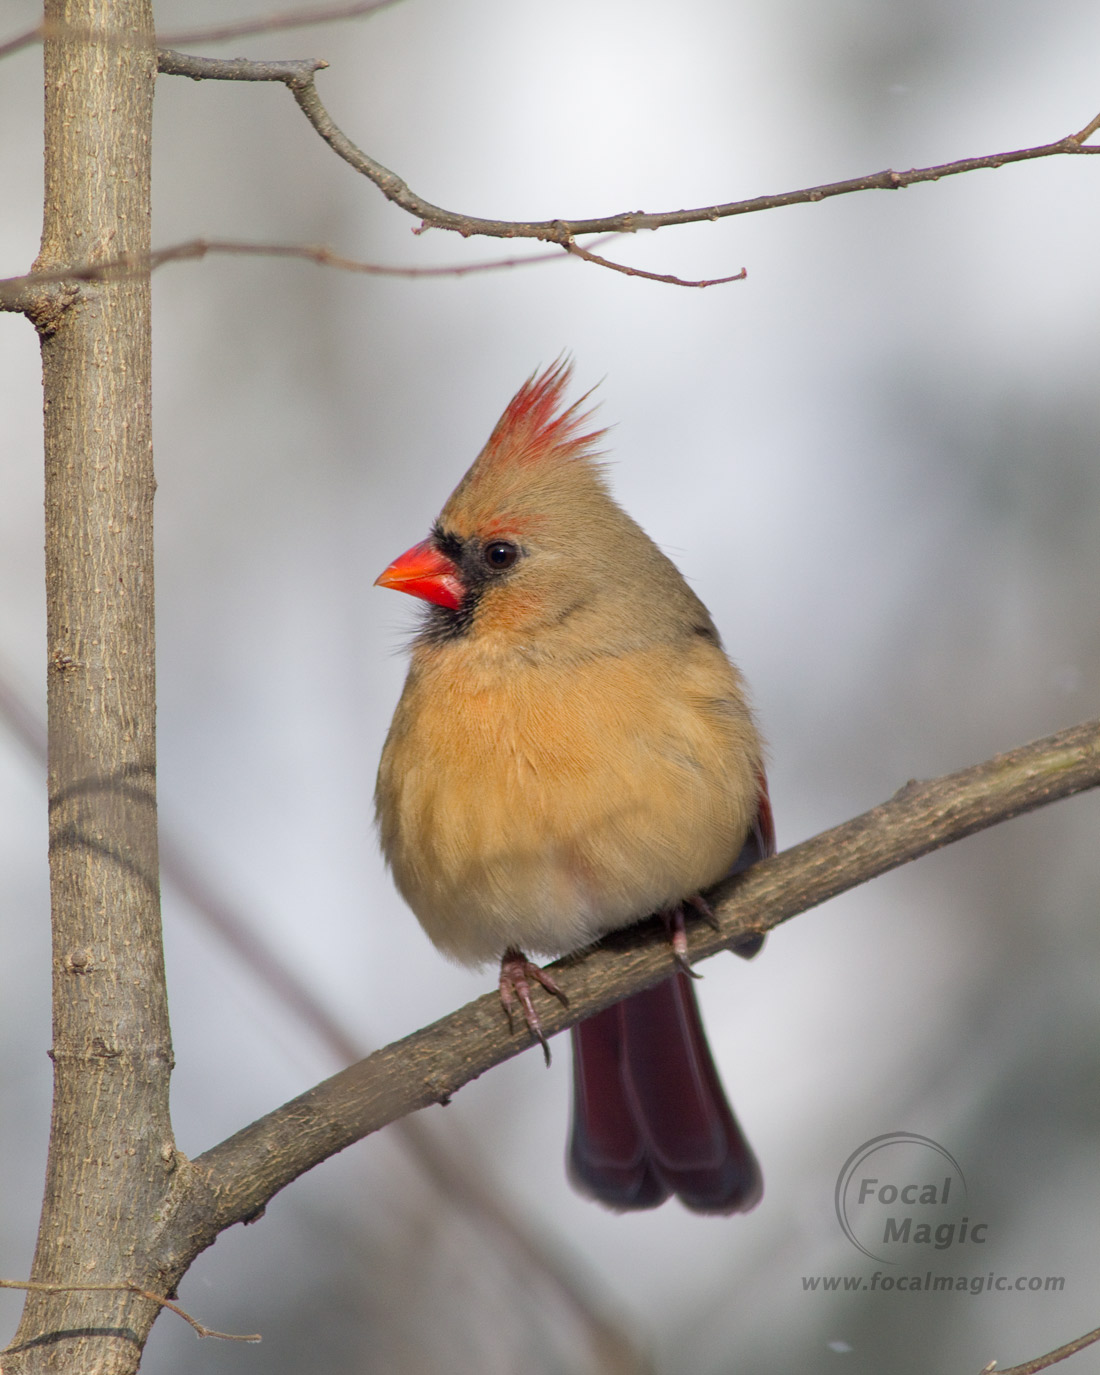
902	1197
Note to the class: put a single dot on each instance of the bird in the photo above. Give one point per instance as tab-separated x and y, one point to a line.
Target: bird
572	753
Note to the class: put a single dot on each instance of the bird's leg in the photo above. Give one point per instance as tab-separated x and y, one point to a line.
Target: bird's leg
673	918
515	971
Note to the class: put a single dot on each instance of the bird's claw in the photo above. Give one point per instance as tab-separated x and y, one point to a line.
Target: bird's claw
705	910
746	948
673	918
683	964
516	971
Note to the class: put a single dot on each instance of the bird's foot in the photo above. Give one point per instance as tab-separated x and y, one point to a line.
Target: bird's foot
516	971
674	920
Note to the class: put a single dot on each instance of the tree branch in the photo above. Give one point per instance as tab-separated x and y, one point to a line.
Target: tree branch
291	70
299	79
21	40
288	19
219	33
44	295
590	257
32	1288
629	222
233	1181
561	231
1045	1362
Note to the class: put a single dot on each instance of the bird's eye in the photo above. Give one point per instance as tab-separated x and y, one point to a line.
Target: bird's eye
500	554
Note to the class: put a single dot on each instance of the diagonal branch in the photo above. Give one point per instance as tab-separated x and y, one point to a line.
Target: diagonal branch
234	1180
1038	1363
21	40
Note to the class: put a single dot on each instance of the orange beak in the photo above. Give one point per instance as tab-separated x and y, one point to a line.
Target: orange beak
424	572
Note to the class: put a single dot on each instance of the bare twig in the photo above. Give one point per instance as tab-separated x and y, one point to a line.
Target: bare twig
565	232
219	33
1051	1357
37	1287
21	40
172	63
233	1180
1088	131
628	222
288	19
26	293
590	257
32	292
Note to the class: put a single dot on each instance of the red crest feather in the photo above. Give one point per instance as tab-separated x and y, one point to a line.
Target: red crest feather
533	427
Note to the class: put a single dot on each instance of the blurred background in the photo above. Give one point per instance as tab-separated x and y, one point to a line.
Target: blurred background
877	461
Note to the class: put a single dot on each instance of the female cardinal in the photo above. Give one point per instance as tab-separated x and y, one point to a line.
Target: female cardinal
573	752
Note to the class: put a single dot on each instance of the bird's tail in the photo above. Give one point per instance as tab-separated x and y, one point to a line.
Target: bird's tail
650	1117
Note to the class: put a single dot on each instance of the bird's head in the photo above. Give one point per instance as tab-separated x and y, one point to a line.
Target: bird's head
529	535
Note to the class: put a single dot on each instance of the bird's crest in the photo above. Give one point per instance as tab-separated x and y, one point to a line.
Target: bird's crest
536	452
535	430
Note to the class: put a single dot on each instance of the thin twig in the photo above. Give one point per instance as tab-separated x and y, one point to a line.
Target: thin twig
41	1287
289	19
590	257
219	33
22	293
1051	1357
1088	131
564	232
21	40
630	221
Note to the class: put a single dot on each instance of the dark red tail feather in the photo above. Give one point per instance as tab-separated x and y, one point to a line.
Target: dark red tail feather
650	1117
609	1156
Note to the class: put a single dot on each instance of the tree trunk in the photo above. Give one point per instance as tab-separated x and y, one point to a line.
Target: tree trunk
111	1153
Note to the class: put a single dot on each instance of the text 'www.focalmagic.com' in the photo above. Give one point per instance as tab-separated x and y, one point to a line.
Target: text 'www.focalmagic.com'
936	1284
